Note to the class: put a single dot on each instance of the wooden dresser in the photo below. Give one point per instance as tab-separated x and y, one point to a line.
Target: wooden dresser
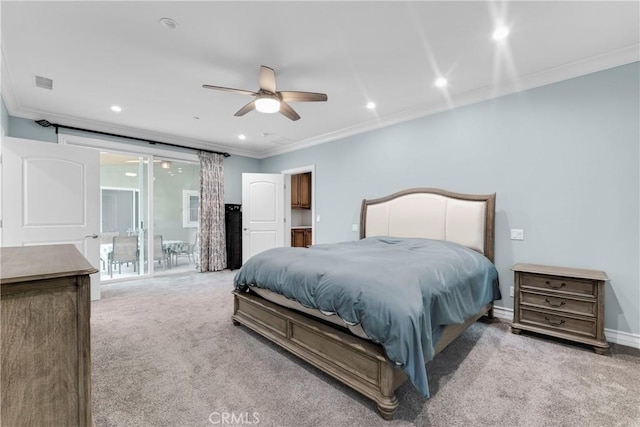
561	302
46	357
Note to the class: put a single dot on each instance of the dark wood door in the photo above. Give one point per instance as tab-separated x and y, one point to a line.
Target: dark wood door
301	191
297	238
304	191
295	191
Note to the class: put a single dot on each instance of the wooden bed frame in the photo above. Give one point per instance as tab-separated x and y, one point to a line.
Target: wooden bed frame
356	362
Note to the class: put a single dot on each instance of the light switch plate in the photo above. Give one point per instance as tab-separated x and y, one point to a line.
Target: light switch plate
517	234
355	227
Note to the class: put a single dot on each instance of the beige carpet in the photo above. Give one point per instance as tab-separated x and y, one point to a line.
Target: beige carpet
165	353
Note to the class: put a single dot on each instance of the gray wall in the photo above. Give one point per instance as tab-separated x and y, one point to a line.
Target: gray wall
563	160
28	129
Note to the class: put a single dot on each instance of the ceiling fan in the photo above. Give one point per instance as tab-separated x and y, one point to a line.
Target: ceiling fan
268	100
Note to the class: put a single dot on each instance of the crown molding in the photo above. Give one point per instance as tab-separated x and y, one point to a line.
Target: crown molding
6	85
623	56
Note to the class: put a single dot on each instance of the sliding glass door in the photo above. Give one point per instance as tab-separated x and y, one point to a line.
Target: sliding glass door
136	240
149	205
175	214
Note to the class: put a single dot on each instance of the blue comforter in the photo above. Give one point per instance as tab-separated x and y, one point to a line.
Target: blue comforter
401	291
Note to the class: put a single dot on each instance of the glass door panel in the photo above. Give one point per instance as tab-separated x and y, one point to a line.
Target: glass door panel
123	215
176	188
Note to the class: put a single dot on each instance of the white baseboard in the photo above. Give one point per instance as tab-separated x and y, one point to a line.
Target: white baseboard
503	313
622	338
617	337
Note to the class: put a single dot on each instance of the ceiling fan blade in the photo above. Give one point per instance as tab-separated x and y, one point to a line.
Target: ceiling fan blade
267	79
244	110
229	89
288	112
293	96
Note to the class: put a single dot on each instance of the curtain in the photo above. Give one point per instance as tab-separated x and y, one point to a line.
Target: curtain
212	242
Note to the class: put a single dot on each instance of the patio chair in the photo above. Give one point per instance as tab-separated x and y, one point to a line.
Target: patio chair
159	253
125	250
106	245
188	250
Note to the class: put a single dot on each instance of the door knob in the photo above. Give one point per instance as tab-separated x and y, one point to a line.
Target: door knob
93	236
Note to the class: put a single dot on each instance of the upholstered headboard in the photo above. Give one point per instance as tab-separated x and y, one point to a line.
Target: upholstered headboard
431	213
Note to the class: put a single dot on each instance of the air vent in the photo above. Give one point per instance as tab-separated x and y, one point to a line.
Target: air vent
44	82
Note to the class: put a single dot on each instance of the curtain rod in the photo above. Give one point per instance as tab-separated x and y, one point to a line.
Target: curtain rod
46	124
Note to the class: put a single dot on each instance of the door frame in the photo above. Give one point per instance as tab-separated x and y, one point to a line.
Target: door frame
287	201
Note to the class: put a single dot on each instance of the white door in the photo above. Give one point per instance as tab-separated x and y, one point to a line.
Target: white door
262	213
50	195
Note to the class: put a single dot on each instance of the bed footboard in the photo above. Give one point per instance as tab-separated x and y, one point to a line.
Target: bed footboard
355	362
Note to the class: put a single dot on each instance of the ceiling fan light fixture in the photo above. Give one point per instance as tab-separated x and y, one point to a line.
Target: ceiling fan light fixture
267	104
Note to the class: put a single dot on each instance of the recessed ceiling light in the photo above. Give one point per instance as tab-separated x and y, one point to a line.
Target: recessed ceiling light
441	82
169	23
131	174
242	137
116	109
371	105
500	33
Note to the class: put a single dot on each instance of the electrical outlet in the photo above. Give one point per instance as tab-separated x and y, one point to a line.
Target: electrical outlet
511	292
517	234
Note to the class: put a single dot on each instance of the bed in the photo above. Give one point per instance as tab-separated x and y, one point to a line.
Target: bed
361	354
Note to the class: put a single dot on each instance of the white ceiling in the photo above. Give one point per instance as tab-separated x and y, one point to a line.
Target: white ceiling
100	54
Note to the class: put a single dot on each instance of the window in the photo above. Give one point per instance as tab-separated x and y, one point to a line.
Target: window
190	207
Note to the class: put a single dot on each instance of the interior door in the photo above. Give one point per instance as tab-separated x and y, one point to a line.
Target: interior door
51	195
262	213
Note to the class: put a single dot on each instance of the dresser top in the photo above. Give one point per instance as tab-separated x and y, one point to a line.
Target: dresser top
24	263
577	273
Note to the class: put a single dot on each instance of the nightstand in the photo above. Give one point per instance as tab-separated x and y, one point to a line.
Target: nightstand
561	302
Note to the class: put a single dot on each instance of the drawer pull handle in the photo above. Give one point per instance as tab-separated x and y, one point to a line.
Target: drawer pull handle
562	285
554	305
554	322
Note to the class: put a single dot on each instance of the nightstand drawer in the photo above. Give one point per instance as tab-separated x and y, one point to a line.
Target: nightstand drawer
559	284
560	303
558	322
